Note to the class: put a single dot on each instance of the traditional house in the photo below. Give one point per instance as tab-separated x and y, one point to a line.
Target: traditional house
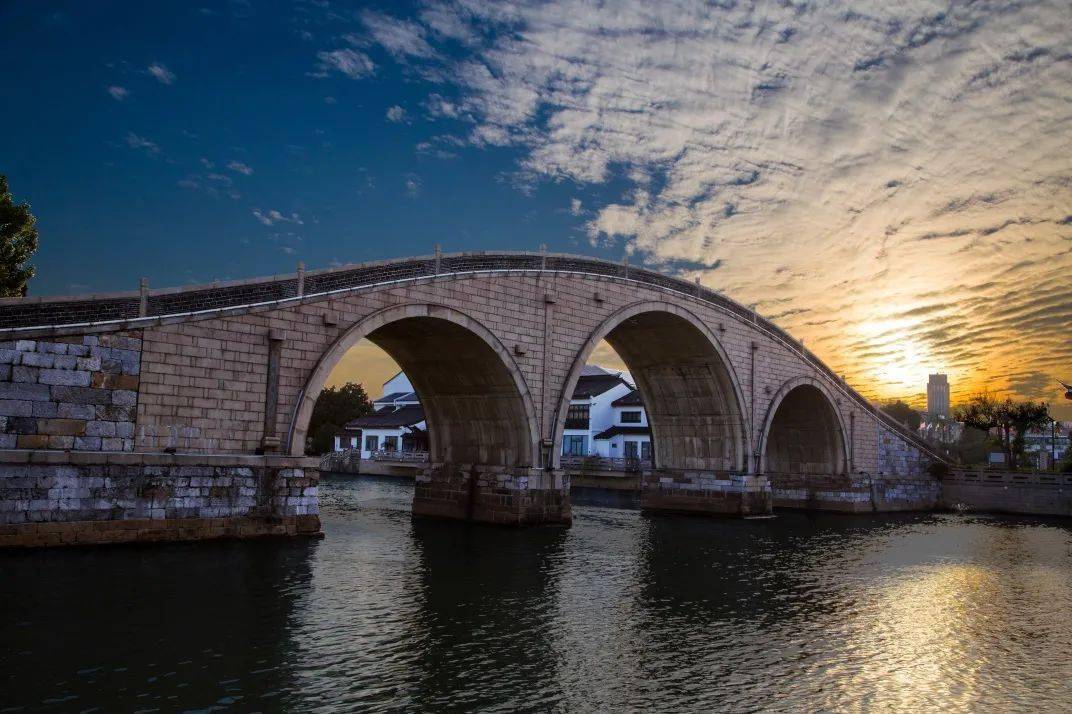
396	424
606	417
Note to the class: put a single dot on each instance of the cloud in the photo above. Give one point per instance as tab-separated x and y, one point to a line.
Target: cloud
884	151
396	114
353	64
413	185
118	93
142	144
161	73
239	167
575	208
401	38
271	217
330	100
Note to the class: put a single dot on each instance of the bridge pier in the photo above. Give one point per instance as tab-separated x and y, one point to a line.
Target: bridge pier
484	493
730	494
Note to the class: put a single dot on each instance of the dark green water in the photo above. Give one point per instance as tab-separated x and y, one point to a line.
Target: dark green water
620	612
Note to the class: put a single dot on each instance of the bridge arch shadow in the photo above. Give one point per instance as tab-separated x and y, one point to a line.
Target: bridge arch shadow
691	394
476	402
803	433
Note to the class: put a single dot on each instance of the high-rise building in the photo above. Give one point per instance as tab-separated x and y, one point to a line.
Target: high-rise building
938	396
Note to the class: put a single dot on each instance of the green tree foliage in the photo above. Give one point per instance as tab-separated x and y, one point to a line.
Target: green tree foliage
974	445
903	413
1011	418
18	241
334	407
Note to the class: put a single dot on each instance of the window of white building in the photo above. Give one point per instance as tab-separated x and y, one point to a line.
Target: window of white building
372	443
575	445
390	443
630	417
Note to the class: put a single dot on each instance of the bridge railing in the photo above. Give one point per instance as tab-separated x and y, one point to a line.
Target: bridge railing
604	463
100	310
416	457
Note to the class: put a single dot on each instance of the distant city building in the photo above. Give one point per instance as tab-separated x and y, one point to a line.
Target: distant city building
938	396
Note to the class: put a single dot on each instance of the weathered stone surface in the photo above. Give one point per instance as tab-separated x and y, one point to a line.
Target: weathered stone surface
64	377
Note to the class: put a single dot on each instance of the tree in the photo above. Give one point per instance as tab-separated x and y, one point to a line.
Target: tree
333	409
18	241
903	413
1013	419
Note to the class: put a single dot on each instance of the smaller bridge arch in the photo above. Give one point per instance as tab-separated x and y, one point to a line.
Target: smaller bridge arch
803	431
476	401
691	393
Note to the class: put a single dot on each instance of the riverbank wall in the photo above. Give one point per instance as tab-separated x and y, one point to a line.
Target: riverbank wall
67	498
1040	493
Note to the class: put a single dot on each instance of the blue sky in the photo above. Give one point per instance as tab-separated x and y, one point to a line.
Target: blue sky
163	176
891	182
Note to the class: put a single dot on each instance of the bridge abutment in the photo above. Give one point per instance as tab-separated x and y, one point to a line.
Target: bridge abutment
493	494
72	498
727	494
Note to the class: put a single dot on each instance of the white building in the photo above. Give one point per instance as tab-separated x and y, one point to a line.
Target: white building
606	418
397	424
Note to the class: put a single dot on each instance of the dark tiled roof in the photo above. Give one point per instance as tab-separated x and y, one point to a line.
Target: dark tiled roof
629	430
387	419
593	385
629	400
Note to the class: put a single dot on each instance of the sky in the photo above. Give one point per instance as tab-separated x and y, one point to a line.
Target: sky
891	182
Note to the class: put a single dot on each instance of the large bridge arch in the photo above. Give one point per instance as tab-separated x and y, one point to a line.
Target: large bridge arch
476	400
691	393
803	431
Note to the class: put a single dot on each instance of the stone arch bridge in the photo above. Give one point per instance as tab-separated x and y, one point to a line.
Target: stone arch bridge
182	413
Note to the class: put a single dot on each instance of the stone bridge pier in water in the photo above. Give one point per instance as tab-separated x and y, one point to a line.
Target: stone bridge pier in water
182	413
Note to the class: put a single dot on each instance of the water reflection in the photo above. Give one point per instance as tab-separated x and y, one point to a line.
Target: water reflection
621	612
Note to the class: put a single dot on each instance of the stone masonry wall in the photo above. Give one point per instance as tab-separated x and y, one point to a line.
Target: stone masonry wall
52	498
73	393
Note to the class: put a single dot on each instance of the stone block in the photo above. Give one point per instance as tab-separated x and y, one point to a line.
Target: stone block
111	444
78	350
8	441
46	410
22	374
87	443
124	398
9	407
64	377
25	345
75	411
66	362
36	359
100	428
124	429
30	392
61	427
56	348
88	364
22	425
32	441
77	395
61	442
5	373
8	356
114	413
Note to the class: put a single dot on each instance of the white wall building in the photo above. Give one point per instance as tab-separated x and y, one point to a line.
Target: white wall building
606	418
397	424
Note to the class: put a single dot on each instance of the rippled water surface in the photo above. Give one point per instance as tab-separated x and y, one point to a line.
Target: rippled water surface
621	611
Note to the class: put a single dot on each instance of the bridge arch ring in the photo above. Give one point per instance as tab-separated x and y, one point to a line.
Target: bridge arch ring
605	328
772	410
303	410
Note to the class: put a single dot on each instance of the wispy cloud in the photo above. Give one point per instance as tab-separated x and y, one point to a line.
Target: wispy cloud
142	144
118	93
161	73
396	114
271	217
239	167
352	63
413	185
401	38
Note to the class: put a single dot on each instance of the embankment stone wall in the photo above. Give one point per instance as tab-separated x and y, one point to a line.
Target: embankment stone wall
57	498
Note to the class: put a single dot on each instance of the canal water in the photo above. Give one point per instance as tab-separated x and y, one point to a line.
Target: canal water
622	611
